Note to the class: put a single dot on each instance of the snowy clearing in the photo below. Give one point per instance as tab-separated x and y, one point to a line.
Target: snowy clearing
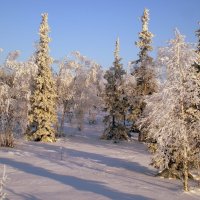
81	166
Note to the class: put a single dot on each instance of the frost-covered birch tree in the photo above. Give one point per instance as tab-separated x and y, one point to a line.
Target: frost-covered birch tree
86	88
7	107
79	87
115	100
65	88
23	74
15	81
143	72
172	114
42	115
7	103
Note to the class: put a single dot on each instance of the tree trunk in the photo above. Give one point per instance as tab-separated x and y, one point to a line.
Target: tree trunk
140	137
124	120
62	120
113	120
185	171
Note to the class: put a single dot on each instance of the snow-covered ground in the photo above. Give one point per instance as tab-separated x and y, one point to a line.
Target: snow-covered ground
83	167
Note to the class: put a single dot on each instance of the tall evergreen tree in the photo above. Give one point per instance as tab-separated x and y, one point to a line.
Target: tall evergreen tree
42	115
145	39
115	101
143	72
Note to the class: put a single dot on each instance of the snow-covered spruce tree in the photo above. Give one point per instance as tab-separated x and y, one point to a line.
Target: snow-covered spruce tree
115	101
172	114
145	39
42	115
143	72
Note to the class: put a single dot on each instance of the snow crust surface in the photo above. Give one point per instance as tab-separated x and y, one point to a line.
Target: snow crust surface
83	167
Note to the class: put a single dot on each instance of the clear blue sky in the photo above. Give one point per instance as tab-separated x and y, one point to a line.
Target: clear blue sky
92	26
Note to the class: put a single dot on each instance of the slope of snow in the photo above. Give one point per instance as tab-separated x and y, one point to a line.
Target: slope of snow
82	167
